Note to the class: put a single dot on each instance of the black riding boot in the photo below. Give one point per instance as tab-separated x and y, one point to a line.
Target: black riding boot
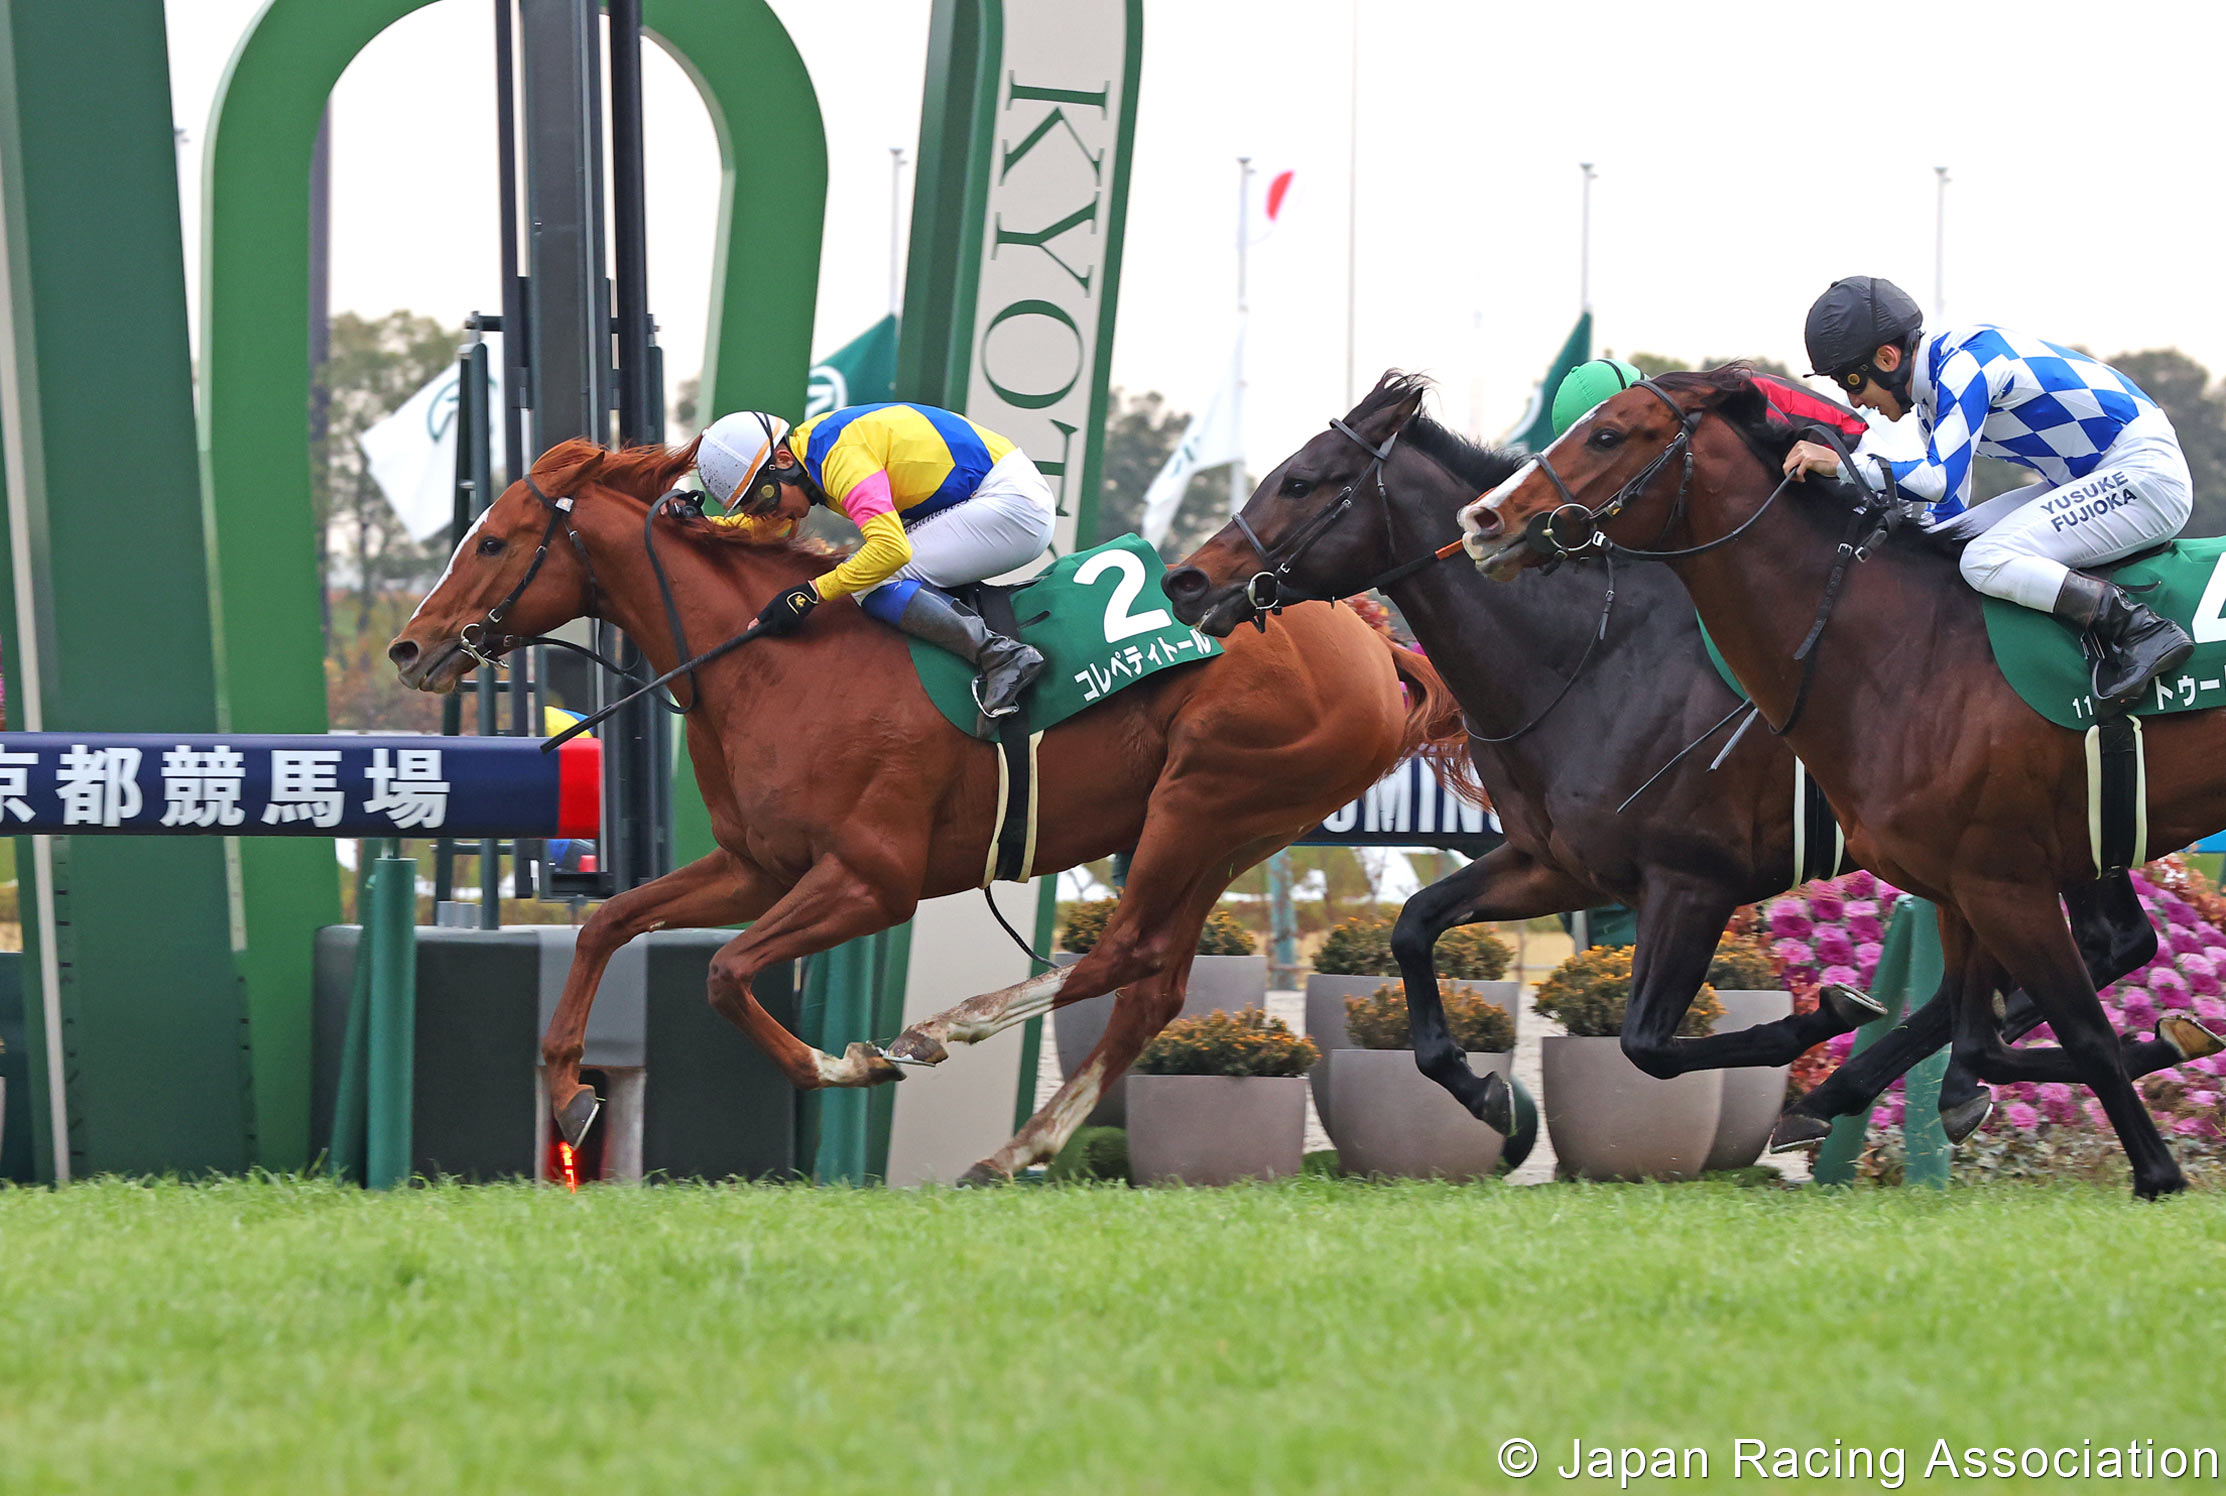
1006	666
2133	643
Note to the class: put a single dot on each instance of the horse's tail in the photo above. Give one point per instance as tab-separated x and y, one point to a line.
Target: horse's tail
1435	728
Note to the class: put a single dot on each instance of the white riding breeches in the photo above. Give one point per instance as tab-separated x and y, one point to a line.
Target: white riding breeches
2140	495
1006	524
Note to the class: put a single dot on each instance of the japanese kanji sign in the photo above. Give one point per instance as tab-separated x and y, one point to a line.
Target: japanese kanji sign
139	784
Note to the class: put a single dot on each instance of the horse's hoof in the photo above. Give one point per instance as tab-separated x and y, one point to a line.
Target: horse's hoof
1494	1105
1849	1006
2189	1039
870	1065
1967	1116
916	1047
576	1116
2157	1189
983	1176
1798	1130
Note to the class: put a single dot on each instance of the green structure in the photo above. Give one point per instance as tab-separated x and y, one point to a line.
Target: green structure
171	979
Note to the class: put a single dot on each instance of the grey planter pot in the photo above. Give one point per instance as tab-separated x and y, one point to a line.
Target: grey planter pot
1753	1096
1325	1019
1394	1120
1217	984
1215	1129
1611	1120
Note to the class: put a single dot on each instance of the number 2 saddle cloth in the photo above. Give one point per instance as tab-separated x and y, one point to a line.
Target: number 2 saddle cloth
1102	621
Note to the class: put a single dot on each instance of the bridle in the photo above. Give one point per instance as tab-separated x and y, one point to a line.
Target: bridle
1271	589
484	647
1877	511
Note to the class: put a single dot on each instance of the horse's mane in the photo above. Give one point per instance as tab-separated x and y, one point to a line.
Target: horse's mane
645	472
1731	392
1471	462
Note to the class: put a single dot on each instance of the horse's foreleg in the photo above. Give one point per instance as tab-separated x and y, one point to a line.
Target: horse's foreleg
1505	883
719	889
2023	931
833	902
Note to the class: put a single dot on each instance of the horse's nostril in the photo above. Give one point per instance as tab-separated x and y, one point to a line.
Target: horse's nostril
403	653
1185	582
1485	520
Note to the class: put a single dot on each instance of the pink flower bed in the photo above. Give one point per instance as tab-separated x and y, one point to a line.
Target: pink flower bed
1833	932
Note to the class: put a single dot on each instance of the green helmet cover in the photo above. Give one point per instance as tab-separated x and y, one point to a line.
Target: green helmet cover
1586	386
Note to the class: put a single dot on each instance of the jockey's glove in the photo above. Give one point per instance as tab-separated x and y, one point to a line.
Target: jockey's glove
786	614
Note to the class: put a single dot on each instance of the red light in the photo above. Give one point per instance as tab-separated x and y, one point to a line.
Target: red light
569	1165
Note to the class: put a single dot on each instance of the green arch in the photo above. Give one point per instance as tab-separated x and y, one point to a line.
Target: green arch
254	377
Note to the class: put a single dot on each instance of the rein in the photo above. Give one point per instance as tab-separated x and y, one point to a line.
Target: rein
1875	511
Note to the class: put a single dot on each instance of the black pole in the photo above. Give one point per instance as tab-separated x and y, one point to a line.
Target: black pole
525	713
637	423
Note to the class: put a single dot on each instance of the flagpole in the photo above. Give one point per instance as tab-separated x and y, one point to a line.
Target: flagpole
1940	250
1352	197
1584	243
1237	490
896	183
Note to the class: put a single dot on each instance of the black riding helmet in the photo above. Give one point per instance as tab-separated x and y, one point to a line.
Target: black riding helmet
1852	321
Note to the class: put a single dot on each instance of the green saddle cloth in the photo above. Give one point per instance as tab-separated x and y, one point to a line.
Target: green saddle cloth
1103	623
2044	664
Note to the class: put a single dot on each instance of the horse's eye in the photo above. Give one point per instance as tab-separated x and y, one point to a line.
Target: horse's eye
1297	488
492	546
1604	438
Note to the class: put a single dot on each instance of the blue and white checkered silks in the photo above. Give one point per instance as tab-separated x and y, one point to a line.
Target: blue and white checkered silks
1983	389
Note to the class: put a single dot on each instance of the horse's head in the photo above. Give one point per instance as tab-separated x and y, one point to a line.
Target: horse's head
1623	472
522	568
1316	527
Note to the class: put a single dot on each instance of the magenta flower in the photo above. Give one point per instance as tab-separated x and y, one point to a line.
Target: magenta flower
2194	1127
2169	987
1847	974
2021	1116
1859	885
1833	948
2209	1064
2058	1103
2201	972
2210	1009
1866	957
1790	921
1825	902
1868	928
1839	1046
2138	1006
2202	1098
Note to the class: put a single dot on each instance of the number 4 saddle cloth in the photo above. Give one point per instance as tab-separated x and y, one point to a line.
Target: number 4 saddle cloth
1102	621
2185	581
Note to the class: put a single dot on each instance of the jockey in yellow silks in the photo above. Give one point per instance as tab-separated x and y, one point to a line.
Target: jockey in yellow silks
940	501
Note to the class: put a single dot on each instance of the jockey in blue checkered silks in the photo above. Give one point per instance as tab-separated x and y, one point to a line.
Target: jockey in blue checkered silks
2113	480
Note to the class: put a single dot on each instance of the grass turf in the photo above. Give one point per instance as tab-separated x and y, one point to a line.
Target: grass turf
275	1335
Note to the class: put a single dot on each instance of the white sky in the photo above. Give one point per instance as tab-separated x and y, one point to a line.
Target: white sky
1748	153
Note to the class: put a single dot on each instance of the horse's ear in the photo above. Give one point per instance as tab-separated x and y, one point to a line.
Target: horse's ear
1735	395
1392	403
567	465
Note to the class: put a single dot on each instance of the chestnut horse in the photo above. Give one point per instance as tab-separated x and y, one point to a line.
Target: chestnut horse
1948	783
840	797
1561	749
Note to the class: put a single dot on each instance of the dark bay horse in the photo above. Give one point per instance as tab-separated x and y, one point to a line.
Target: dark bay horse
1947	783
840	797
1560	748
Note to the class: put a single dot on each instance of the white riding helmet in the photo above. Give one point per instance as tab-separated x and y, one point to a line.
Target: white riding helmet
735	447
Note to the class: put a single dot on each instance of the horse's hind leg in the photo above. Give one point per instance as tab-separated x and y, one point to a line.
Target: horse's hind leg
720	889
1140	1010
2023	930
978	1018
1505	883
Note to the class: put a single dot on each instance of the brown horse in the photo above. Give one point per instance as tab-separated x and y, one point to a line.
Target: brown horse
1561	751
1947	782
840	797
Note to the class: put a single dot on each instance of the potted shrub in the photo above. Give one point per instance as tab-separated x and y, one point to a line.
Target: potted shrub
1391	1118
1219	1098
1748	986
1608	1118
1225	977
1356	957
